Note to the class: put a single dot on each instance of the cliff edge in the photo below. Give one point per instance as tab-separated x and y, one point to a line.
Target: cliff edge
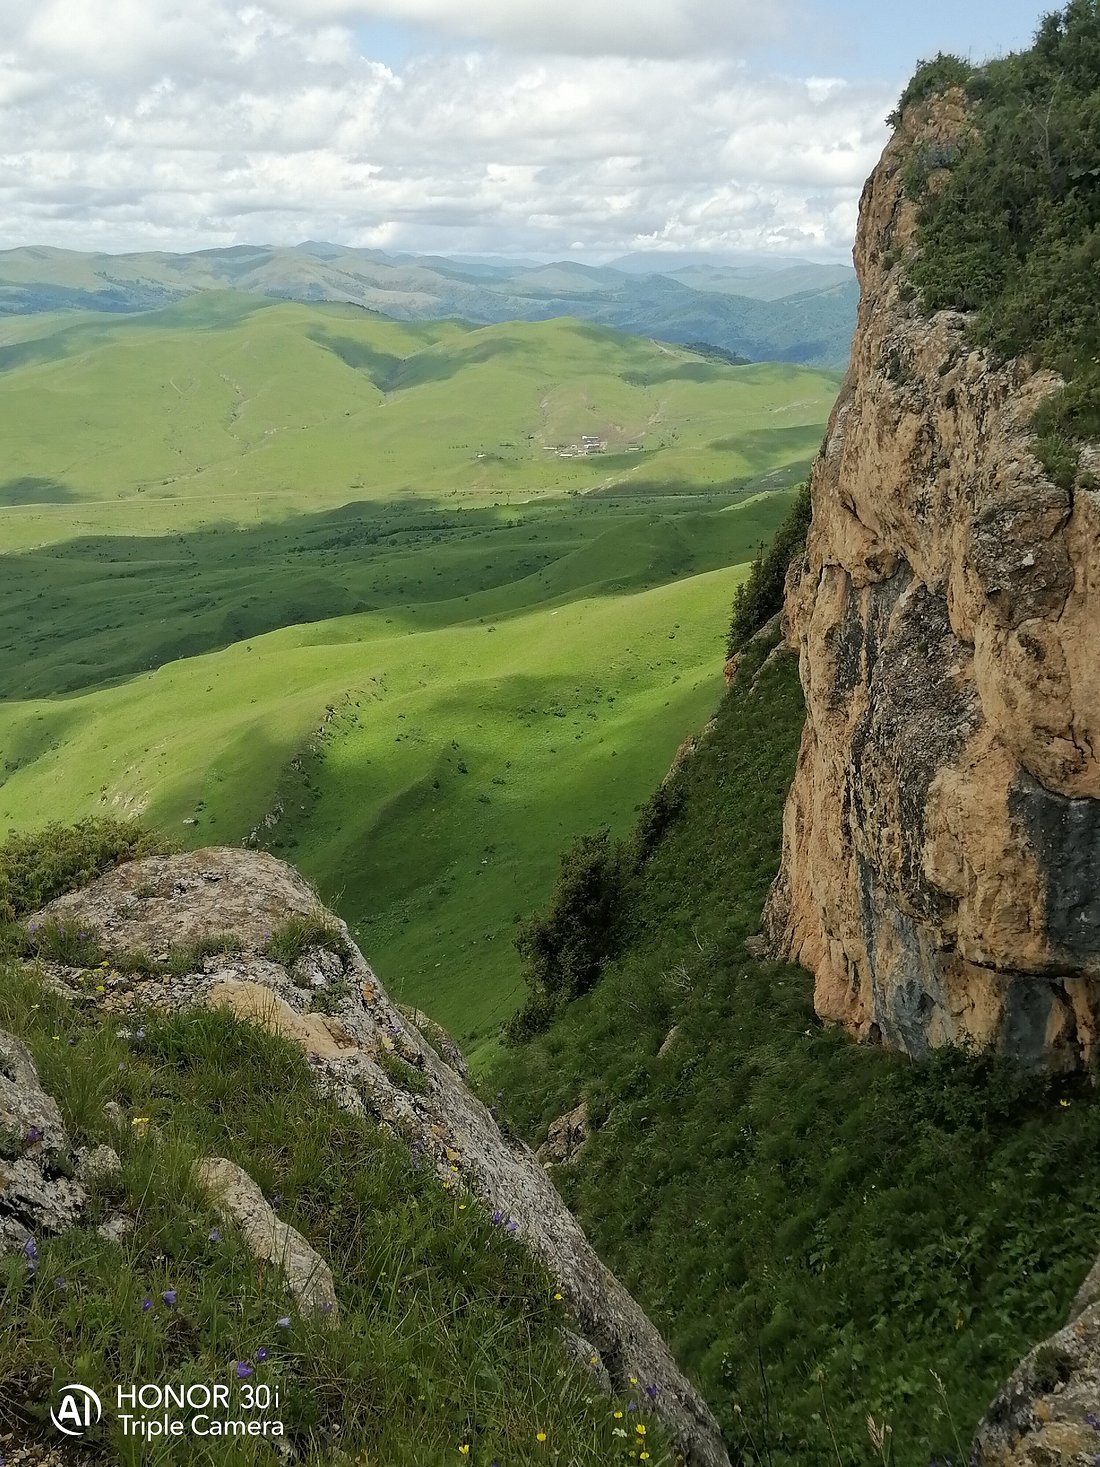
942	834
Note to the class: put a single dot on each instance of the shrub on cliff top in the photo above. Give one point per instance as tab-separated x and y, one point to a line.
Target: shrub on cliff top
1013	232
43	864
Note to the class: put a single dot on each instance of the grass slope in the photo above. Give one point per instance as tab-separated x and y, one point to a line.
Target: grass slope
422	763
224	410
816	1227
446	1347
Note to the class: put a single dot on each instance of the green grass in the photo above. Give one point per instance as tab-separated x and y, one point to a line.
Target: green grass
309	576
814	1225
447	1332
226	410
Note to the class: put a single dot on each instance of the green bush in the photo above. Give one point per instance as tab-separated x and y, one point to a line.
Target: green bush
564	949
940	74
761	596
37	867
1013	233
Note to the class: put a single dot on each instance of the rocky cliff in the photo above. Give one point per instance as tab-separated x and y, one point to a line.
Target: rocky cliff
941	863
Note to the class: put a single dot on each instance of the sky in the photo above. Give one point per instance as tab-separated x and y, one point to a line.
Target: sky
554	129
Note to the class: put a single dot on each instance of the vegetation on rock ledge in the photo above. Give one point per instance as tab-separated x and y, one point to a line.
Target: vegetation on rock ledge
1012	229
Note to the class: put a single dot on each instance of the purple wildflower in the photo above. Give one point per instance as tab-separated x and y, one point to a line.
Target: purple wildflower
498	1217
326	1307
1093	1420
651	1391
146	1304
283	1323
511	1226
169	1297
215	1236
33	1135
244	1370
277	1200
262	1353
632	1405
30	1250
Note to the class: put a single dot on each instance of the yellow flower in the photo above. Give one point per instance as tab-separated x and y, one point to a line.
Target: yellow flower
99	988
556	1296
540	1436
618	1415
464	1449
462	1207
1065	1104
643	1456
633	1380
640	1429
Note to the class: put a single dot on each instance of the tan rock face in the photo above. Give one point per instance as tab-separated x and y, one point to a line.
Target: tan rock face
941	865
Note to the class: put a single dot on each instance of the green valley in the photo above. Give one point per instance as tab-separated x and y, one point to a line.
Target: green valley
358	591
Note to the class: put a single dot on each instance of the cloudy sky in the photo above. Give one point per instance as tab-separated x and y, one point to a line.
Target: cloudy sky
553	128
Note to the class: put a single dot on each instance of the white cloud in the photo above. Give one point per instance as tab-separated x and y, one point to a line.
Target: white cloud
154	123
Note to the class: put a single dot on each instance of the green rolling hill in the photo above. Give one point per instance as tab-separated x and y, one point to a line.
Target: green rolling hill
348	588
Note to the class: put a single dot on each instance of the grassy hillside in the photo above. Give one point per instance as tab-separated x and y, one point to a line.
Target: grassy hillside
817	1227
805	313
225	410
446	1347
309	577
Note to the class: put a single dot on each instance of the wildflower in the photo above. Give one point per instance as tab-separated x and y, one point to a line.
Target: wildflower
244	1370
651	1391
540	1436
169	1297
464	1449
100	988
283	1323
215	1235
631	1405
33	1135
618	1415
1065	1104
277	1200
557	1298
139	1035
146	1304
326	1307
462	1207
643	1456
618	1431
261	1354
512	1226
497	1218
633	1379
60	1285
640	1429
30	1250
1091	1419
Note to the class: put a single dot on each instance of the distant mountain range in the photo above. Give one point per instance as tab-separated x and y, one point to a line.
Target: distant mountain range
785	311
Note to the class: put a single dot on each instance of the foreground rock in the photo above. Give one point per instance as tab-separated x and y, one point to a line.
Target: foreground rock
241	1202
1049	1412
372	1060
39	1192
941	861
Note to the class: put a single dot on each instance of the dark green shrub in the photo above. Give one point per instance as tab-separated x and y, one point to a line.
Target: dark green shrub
1013	233
761	596
39	866
940	74
564	949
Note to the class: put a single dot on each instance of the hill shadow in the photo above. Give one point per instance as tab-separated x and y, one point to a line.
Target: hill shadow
35	491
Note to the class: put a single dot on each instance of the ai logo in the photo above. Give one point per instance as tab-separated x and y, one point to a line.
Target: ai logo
78	1409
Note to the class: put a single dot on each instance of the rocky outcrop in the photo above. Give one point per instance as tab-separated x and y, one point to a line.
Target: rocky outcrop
39	1189
1049	1411
372	1060
240	1202
941	861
